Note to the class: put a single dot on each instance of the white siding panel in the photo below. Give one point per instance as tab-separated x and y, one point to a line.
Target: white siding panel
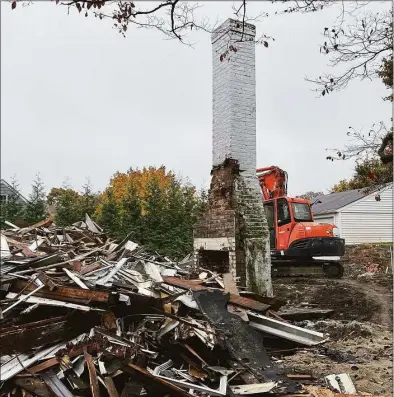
368	220
325	219
367	227
369	204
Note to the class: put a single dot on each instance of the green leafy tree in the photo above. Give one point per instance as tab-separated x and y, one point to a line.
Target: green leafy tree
369	175
13	209
35	210
66	204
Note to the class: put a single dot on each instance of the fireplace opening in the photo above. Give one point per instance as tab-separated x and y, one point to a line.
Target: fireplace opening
216	261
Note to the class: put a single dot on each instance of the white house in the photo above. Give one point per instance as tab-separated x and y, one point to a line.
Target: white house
358	215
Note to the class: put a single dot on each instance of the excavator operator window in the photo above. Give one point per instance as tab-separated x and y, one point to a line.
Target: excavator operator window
269	213
284	216
302	212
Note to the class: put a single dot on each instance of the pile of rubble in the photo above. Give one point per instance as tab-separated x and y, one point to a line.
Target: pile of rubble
82	314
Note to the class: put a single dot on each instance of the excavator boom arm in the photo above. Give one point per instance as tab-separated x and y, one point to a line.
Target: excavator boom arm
273	182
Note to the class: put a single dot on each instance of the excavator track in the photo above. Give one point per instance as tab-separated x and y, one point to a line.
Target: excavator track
288	268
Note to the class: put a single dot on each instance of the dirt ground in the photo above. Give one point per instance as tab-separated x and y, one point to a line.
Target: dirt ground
360	329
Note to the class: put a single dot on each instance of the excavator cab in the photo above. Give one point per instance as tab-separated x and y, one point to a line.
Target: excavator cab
294	235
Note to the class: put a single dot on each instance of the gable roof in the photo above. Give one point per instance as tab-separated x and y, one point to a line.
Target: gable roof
332	202
5	183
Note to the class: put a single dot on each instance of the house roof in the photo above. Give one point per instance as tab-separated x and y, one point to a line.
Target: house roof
5	183
334	201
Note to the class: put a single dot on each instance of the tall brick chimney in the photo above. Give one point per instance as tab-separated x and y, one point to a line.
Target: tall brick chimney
231	236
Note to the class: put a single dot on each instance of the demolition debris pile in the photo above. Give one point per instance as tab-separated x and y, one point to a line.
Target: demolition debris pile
82	314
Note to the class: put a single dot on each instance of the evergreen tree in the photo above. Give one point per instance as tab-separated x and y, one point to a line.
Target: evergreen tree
88	200
130	214
109	217
154	207
35	210
153	234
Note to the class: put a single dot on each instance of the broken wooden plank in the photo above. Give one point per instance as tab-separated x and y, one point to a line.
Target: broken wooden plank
153	382
5	249
92	373
33	385
75	278
18	364
89	268
74	352
33	246
52	302
67	294
109	384
12	225
22	297
229	284
55	385
234	299
92	226
77	258
231	288
46	222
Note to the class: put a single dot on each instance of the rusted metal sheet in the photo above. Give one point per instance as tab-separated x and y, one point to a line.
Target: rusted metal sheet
24	337
234	299
66	294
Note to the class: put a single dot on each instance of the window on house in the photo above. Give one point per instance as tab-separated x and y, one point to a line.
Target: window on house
3	198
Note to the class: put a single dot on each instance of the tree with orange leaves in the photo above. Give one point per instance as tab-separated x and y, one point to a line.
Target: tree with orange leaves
153	207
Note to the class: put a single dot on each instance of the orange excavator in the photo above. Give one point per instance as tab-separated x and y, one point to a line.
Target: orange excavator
298	244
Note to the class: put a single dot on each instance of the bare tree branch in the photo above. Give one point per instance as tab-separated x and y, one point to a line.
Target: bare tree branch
377	142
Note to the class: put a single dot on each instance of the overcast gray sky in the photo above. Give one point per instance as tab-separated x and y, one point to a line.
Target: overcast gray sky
78	100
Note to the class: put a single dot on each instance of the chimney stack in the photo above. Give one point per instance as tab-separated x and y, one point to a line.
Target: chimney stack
232	236
234	94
